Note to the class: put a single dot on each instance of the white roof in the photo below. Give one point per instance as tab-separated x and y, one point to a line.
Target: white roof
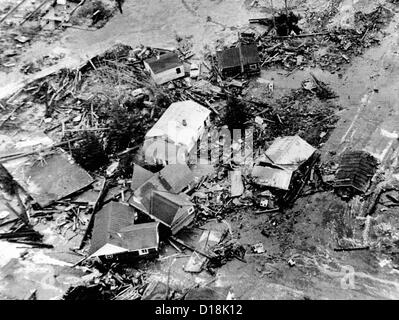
292	150
181	123
108	249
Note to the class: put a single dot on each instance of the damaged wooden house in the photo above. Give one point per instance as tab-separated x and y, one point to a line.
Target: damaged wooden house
243	59
47	176
354	173
275	168
161	197
116	236
176	133
165	68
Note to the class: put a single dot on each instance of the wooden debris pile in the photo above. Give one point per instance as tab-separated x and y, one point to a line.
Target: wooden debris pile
303	49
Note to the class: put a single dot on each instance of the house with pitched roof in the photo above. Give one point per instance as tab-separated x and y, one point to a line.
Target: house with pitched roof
161	197
165	68
174	136
116	237
243	59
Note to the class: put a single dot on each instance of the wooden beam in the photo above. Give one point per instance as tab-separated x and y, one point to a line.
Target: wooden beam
11	11
33	12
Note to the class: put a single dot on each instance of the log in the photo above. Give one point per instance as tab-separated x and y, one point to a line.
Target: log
34	244
19	234
267	211
352	249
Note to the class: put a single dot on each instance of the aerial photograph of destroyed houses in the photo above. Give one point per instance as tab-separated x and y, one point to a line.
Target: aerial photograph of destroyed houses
199	150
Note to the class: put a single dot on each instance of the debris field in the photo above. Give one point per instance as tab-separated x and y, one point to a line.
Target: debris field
161	173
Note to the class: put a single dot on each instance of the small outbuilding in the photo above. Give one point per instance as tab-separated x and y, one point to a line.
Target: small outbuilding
238	60
161	197
277	165
165	68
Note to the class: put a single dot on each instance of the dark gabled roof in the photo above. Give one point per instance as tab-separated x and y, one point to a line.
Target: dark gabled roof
356	170
249	54
108	222
176	177
173	178
140	175
168	207
165	62
179	199
228	58
140	236
232	57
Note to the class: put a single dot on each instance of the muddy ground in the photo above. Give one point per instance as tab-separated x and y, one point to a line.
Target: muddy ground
305	234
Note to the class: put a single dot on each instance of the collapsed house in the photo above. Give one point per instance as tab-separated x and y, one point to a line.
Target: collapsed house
165	68
176	133
238	60
116	237
354	173
161	197
277	165
46	177
173	210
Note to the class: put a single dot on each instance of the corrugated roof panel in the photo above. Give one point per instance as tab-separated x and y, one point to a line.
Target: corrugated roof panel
229	58
250	54
356	170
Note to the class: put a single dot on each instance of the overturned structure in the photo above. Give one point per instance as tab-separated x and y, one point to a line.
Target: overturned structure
354	173
277	165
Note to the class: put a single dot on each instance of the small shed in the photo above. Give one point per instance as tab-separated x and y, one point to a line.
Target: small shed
277	165
114	234
355	172
176	133
237	60
165	68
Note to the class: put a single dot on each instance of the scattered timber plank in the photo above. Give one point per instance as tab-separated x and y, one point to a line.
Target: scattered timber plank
94	210
181	242
33	12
